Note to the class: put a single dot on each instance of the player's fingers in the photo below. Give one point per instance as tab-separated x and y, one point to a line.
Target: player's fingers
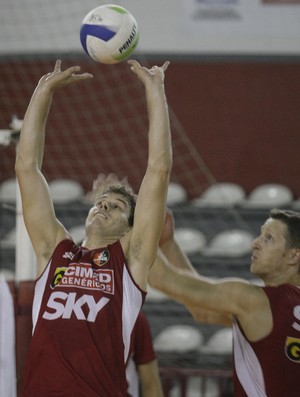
134	65
57	66
84	76
78	77
73	70
165	66
133	62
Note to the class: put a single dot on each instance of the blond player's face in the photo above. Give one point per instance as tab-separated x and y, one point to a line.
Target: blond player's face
270	253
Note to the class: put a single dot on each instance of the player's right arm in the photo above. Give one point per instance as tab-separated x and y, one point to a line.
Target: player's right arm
44	229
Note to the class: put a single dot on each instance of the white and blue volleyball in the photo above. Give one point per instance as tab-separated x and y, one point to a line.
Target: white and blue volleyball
109	34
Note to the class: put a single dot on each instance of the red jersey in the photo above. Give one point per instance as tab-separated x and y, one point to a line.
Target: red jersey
271	366
84	309
141	352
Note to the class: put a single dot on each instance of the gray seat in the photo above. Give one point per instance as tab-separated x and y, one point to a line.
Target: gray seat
269	195
230	243
176	194
223	194
190	240
178	338
65	191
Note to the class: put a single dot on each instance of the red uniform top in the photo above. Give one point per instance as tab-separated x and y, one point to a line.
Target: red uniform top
271	366
84	309
141	352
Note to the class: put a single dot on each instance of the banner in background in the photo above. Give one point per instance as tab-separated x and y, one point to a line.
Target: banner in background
266	25
230	27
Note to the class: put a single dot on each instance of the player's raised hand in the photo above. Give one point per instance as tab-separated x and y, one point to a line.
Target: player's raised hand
59	78
154	74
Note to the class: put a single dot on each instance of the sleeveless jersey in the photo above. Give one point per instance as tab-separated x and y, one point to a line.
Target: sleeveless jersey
84	309
271	366
141	352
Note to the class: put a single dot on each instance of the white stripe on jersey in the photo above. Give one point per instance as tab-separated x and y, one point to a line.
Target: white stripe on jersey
132	303
247	366
38	295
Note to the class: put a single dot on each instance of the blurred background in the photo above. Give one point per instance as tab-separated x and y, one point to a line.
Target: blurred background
233	88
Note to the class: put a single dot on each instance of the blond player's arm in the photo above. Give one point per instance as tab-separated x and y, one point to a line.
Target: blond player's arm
176	257
217	300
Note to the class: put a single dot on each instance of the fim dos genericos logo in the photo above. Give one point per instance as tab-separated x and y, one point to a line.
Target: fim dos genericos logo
82	275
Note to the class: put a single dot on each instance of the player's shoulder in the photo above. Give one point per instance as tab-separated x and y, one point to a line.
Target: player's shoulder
247	294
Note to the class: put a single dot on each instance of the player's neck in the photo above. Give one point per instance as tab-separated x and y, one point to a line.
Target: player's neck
273	282
92	242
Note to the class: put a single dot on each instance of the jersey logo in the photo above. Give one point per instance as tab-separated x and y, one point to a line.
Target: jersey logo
63	305
82	275
58	275
100	258
68	255
292	349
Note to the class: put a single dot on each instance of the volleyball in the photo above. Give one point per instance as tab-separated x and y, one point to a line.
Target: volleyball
109	34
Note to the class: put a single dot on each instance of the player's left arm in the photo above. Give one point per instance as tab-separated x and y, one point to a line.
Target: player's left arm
217	300
151	199
206	316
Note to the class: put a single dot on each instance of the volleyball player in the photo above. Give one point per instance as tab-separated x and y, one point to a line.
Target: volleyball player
87	297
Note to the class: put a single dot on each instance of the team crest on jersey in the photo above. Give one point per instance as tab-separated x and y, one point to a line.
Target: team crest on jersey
58	275
292	349
68	255
100	258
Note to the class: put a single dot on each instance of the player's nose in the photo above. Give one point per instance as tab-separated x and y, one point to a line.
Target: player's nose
104	205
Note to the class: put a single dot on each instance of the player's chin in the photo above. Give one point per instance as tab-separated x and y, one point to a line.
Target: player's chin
252	266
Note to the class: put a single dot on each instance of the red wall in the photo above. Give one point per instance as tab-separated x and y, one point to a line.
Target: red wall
243	118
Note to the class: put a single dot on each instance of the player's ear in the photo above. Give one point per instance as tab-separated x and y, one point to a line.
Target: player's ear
295	256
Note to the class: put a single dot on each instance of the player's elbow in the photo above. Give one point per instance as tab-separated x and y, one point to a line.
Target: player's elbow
162	166
24	165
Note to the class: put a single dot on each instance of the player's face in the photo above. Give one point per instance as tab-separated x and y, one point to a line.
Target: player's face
270	253
110	213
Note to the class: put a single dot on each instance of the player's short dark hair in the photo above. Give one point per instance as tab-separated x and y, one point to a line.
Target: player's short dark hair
292	220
